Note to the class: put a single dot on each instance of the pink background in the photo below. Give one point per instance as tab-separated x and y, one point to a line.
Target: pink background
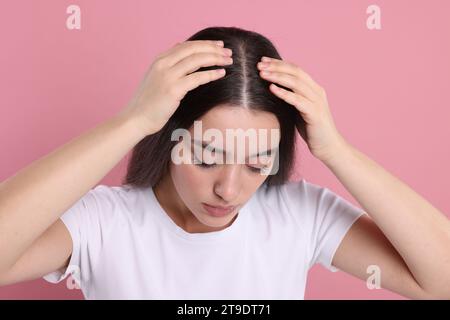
388	89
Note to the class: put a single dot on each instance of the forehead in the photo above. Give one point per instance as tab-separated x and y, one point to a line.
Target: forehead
236	117
232	128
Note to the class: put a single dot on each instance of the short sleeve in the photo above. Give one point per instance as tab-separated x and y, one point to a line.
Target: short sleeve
83	222
325	218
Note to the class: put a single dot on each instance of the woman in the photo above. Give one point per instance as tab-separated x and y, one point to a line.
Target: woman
208	229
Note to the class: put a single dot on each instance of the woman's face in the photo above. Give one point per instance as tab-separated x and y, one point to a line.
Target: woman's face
228	183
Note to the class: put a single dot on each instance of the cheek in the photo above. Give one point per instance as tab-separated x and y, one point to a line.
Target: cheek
188	176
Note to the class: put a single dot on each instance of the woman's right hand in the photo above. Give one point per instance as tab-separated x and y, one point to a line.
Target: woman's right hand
170	77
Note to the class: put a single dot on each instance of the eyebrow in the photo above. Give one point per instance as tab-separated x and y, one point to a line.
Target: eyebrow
206	145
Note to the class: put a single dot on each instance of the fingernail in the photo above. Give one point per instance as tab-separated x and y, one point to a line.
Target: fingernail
219	43
228	52
265	59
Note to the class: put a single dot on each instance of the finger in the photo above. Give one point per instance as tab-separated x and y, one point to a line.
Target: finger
301	103
197	60
291	82
184	49
291	68
196	79
171	50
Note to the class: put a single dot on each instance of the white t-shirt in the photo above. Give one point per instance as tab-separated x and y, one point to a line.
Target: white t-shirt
125	246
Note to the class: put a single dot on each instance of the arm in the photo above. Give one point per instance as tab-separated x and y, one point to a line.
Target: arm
405	235
415	230
51	251
35	197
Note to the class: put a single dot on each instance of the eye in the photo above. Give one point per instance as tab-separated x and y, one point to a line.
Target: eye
258	170
264	165
252	169
211	165
203	164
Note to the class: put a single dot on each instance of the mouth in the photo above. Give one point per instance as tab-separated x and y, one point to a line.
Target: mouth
218	211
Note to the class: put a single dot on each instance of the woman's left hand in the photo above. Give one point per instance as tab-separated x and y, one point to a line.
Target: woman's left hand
321	135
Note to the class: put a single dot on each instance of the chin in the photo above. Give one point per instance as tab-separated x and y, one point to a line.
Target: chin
212	221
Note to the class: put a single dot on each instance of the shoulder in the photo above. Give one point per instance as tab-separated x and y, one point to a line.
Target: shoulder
304	202
293	193
114	202
112	194
293	200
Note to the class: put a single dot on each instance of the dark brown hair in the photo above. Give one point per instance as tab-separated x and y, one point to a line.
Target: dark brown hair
242	86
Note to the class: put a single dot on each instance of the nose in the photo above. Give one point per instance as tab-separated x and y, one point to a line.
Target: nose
228	184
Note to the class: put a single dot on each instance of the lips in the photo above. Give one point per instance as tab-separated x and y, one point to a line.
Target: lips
218	211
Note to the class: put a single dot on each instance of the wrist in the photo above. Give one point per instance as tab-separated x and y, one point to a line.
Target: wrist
134	125
340	152
138	124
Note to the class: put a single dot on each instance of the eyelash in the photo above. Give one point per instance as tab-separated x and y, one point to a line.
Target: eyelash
252	169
